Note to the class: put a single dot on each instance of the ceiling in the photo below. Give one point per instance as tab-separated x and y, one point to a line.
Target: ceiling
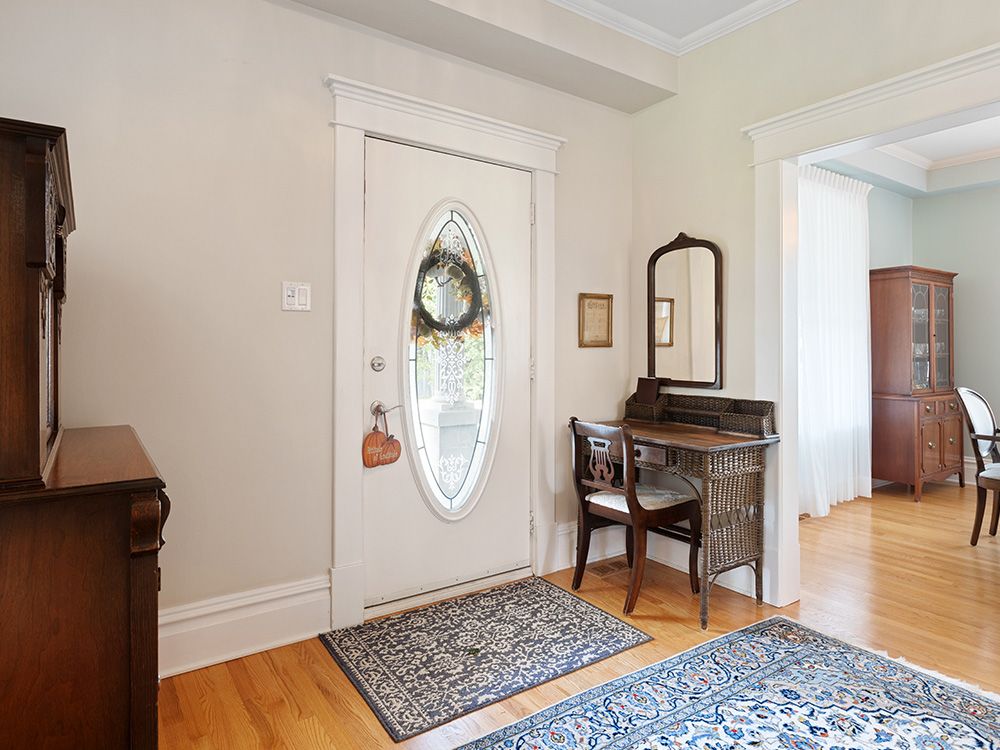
958	158
676	26
966	143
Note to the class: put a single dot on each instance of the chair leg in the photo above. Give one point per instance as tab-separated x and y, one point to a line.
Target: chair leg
629	546
638	566
996	513
694	520
583	529
980	511
961	477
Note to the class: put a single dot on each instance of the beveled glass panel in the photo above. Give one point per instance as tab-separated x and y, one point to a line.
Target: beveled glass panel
452	361
921	294
942	337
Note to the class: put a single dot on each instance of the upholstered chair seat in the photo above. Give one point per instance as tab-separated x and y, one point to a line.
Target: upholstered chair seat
650	498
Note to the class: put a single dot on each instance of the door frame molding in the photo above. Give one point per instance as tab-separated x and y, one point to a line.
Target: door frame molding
942	95
360	110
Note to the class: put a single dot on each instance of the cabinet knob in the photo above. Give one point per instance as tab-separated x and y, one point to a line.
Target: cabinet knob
927	408
952	405
638	453
931	445
951	441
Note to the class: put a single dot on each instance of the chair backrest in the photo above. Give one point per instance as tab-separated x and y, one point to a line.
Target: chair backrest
597	449
980	421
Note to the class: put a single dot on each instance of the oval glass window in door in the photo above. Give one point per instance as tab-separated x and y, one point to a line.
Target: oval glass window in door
452	363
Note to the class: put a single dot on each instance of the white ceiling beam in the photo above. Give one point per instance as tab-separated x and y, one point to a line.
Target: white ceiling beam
531	39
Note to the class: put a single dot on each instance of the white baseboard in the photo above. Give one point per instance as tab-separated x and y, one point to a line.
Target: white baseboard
970	472
604	543
228	627
610	542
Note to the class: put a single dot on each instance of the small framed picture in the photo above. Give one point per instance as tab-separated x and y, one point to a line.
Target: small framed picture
595	319
663	321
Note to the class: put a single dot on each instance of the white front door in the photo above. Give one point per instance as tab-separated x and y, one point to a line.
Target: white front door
447	335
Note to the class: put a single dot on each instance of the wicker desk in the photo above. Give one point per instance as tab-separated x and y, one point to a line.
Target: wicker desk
731	469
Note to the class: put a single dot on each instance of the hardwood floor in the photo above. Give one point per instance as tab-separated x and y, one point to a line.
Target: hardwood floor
887	574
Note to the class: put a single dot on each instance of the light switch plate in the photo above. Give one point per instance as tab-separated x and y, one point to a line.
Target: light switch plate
296	296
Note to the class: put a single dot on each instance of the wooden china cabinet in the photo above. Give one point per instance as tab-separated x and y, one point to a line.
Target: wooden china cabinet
916	420
81	510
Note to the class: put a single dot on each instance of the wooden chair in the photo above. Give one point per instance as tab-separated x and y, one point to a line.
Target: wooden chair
984	435
608	497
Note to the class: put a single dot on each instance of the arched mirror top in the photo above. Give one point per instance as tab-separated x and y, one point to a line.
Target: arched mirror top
684	313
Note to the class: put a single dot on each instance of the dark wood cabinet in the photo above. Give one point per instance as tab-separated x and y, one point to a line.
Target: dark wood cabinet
36	216
916	421
81	510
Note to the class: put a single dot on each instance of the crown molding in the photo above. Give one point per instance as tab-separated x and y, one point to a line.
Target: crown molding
983	59
644	32
904	154
735	21
622	23
958	161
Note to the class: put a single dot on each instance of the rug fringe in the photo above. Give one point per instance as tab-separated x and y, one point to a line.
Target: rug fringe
971	687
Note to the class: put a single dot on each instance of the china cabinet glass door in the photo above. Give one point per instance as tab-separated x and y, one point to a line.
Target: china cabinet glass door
942	338
921	365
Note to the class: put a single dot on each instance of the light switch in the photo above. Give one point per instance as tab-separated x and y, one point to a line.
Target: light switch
296	296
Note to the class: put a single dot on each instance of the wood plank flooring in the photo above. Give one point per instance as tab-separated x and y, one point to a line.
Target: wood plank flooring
887	574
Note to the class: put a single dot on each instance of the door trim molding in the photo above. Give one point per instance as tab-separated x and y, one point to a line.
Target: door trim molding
360	110
410	119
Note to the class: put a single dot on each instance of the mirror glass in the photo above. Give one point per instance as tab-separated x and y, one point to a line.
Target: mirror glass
684	306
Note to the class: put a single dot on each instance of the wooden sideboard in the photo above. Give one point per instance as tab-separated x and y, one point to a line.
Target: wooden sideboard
78	596
916	420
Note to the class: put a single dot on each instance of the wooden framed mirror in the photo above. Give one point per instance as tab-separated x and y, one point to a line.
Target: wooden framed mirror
684	313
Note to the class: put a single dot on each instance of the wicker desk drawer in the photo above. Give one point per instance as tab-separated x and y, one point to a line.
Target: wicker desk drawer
651	455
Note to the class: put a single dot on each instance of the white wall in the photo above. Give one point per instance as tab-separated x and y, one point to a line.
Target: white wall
201	160
890	229
961	232
692	164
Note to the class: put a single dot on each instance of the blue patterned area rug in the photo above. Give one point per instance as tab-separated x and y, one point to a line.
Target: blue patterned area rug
425	667
774	685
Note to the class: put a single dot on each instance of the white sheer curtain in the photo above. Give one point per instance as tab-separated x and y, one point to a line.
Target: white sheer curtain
834	341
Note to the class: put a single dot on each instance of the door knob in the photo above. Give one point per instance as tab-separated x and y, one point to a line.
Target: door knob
377	364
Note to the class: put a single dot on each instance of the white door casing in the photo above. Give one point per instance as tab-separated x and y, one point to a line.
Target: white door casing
361	109
413	543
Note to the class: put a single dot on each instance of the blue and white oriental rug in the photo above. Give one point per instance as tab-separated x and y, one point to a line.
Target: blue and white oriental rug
774	685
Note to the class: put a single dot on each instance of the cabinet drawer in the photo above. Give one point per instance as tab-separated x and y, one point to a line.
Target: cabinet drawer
948	406
928	408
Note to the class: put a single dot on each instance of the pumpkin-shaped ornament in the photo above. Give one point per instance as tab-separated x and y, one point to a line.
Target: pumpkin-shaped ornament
380	448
